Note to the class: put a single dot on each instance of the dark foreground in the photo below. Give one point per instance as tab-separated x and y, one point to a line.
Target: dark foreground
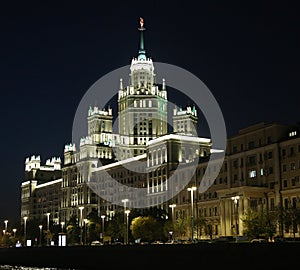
221	255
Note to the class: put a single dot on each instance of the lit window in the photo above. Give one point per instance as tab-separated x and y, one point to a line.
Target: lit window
252	173
261	171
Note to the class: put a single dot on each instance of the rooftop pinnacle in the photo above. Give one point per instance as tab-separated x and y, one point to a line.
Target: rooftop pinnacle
142	52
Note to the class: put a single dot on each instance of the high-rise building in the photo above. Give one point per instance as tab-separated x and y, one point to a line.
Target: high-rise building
142	106
261	168
143	135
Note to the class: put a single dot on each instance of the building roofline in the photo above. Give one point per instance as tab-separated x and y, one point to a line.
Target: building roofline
49	183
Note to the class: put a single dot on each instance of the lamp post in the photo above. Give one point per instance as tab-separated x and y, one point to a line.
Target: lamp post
171	236
81	208
62	224
48	227
5	222
103	217
124	201
172	206
85	230
127	214
48	221
192	189
25	236
14	231
236	205
41	230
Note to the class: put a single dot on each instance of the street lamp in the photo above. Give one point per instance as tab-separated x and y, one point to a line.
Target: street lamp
62	226
25	220
103	217
85	230
81	208
48	221
125	229
125	201
41	230
127	214
5	222
236	205
192	189
14	231
172	206
48	227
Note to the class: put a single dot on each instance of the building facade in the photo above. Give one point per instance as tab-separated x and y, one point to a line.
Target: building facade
41	189
260	170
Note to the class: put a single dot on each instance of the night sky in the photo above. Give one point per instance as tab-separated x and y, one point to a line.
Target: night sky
50	54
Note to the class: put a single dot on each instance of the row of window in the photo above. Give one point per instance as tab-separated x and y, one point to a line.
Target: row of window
251	145
292	166
293	182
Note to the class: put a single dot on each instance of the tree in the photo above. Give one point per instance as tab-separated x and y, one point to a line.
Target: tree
167	228
181	226
93	227
146	228
200	225
115	227
259	224
291	218
73	230
48	235
251	223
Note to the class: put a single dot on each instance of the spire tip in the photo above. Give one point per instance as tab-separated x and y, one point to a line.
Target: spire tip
142	24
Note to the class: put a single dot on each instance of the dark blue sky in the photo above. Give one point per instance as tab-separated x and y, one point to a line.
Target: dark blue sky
50	54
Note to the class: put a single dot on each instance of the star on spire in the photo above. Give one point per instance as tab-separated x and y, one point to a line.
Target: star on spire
142	52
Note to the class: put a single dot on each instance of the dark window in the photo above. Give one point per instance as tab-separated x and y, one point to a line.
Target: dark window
269	139
284	167
272	204
286	203
270	155
251	145
251	160
270	170
235	163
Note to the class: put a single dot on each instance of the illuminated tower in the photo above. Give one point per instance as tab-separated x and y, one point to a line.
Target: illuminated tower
185	121
142	105
100	125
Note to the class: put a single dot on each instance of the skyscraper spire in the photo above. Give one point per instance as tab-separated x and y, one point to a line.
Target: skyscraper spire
142	52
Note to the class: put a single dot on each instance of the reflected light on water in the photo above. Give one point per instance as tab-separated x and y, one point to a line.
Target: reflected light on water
11	267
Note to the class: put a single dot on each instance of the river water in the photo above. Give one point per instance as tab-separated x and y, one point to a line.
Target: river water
11	267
